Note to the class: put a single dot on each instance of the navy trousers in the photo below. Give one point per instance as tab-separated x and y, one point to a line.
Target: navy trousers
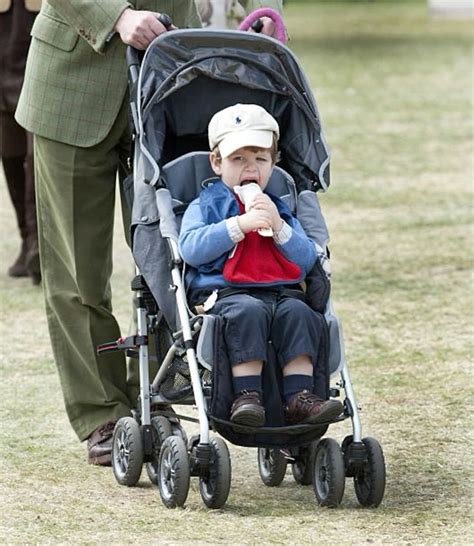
252	320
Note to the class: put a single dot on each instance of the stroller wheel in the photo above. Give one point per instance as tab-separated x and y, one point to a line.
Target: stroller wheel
127	451
161	429
271	466
215	488
302	468
369	481
173	472
328	473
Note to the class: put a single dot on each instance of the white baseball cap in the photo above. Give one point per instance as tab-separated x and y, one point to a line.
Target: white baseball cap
242	125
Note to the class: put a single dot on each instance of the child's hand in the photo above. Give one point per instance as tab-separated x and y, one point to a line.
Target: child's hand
254	219
263	202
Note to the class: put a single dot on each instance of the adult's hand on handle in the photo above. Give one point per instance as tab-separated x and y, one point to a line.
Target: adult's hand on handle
139	28
271	23
266	26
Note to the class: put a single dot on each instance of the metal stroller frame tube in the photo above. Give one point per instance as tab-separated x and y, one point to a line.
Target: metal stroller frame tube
143	362
345	382
354	412
169	232
190	353
161	374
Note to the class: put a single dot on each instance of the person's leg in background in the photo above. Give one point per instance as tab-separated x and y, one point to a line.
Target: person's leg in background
16	21
32	254
17	165
76	198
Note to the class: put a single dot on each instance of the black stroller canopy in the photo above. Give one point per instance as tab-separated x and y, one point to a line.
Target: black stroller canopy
188	75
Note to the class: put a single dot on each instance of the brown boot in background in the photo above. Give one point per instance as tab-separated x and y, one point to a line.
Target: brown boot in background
16	151
18	268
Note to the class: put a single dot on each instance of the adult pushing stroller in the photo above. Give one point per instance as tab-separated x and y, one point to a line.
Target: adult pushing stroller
185	77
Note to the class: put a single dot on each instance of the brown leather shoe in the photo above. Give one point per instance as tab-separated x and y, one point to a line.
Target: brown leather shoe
99	445
248	409
305	407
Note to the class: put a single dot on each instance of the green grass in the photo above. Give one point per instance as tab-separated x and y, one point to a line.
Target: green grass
394	90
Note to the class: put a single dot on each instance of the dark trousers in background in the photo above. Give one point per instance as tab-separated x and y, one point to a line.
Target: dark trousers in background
16	151
16	145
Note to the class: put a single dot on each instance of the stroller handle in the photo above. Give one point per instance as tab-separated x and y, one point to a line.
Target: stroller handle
134	56
280	32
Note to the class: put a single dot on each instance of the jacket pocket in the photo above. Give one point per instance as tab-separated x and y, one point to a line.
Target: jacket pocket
54	32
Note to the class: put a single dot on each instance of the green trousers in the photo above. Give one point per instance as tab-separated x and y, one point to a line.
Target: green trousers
75	201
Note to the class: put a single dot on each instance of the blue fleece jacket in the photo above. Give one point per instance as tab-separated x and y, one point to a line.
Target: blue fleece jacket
207	237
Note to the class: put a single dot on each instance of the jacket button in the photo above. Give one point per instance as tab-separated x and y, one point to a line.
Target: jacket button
144	219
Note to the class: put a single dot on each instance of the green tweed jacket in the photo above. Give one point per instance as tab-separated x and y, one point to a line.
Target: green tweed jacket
76	79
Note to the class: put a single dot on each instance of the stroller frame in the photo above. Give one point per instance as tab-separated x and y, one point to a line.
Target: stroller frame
360	458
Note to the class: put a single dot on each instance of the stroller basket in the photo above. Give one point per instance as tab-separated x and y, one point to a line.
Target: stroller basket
177	385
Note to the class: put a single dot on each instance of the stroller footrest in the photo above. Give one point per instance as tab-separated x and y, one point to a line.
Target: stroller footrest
122	344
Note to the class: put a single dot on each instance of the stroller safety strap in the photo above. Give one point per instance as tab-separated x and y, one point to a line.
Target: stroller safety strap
280	291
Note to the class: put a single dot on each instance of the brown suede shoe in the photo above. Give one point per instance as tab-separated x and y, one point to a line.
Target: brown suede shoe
99	445
248	409
305	407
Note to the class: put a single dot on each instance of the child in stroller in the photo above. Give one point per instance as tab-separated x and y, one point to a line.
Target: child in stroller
184	78
226	250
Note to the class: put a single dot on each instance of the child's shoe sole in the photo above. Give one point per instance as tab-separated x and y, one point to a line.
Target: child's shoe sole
250	415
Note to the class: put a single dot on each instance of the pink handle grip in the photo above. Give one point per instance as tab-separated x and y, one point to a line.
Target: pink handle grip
280	32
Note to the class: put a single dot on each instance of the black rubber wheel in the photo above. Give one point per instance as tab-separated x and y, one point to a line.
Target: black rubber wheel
161	429
302	468
127	451
215	488
173	472
329	477
271	466
369	482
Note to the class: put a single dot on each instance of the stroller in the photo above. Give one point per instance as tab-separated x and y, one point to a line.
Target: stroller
184	78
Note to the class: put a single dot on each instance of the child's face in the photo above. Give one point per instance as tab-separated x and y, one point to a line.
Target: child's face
243	166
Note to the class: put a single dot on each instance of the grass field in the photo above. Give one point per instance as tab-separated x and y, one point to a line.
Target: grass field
394	89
